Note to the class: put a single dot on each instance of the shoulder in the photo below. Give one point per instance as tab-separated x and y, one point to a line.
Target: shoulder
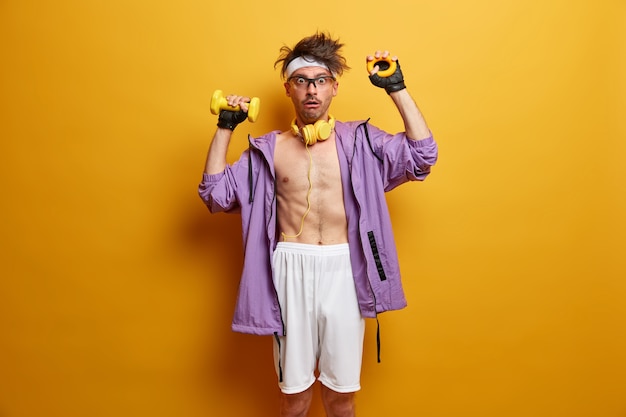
349	126
264	143
354	126
358	130
268	139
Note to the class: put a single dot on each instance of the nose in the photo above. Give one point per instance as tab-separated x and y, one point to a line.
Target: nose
311	83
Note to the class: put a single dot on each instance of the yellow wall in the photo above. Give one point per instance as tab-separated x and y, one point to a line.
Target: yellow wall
117	286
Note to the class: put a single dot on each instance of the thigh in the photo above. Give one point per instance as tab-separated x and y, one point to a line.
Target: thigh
341	329
295	355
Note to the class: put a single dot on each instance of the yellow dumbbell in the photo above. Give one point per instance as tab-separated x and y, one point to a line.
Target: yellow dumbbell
218	102
386	66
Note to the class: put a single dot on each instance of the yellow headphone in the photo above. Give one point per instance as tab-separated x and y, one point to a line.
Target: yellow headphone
310	134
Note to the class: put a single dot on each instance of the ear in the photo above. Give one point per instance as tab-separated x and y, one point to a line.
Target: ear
287	86
335	88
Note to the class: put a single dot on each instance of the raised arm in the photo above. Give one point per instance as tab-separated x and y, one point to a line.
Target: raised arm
227	121
414	122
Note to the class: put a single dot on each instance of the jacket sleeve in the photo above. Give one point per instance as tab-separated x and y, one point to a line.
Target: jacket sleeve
402	159
220	192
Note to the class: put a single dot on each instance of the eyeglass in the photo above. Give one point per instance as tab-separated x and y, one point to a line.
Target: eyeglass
319	82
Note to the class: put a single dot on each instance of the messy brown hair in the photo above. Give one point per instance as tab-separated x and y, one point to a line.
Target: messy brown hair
320	46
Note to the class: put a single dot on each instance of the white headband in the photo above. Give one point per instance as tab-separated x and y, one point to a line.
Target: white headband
301	62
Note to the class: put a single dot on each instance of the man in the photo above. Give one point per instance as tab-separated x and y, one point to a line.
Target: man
319	248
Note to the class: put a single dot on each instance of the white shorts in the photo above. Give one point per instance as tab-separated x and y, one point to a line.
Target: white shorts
323	323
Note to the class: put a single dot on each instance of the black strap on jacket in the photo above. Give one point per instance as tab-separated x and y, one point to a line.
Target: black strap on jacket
379	264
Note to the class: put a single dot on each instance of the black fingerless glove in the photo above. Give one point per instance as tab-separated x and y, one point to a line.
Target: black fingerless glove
395	82
229	119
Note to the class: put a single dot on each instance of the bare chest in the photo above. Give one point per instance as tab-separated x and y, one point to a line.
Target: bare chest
309	192
299	167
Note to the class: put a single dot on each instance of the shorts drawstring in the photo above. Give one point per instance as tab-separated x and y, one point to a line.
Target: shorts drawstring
378	338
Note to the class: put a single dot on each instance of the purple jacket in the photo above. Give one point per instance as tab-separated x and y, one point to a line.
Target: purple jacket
371	163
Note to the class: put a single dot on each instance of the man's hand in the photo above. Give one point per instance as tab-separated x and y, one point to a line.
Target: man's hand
229	119
392	83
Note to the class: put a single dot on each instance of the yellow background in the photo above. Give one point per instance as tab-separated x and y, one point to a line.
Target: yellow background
117	286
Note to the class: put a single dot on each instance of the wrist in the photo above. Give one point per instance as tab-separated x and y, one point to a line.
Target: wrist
395	87
225	124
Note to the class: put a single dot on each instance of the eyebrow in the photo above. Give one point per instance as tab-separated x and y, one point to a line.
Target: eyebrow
318	75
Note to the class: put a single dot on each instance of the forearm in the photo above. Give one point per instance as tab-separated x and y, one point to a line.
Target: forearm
414	123
216	157
236	111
